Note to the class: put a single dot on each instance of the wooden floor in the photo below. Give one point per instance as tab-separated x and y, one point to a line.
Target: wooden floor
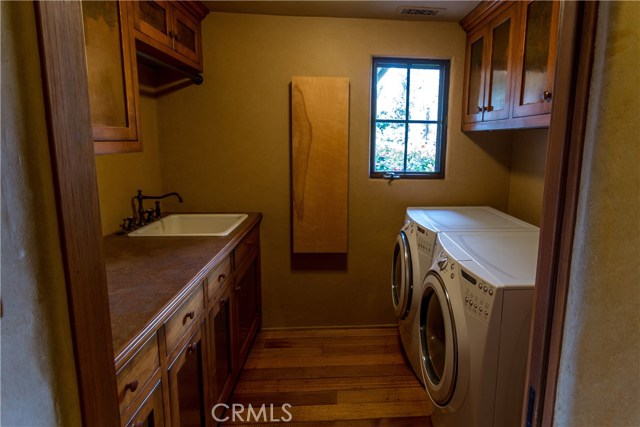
331	378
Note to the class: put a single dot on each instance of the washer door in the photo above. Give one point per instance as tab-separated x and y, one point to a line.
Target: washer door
438	341
401	277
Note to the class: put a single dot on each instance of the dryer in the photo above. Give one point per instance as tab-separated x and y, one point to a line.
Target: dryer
474	320
413	256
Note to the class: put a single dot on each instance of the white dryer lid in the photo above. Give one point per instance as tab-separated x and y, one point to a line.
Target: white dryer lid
462	218
510	257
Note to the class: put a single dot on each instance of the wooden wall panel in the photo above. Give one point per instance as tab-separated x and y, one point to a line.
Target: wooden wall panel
320	163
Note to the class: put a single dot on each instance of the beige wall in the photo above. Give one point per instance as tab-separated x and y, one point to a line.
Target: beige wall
39	385
599	382
121	175
526	182
226	147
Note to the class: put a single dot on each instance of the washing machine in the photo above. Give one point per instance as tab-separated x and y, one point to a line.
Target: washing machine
413	256
474	322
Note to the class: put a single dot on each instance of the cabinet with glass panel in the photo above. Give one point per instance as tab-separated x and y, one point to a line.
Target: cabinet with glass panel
509	64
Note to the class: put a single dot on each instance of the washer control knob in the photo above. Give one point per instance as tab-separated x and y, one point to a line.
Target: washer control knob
490	291
442	263
485	289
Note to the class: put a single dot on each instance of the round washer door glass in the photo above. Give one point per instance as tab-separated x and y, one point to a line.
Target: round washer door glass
401	276
438	343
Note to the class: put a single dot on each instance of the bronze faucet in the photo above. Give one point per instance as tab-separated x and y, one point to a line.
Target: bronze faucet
151	214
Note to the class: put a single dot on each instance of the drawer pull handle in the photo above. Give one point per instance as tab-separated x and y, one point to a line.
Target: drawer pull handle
189	315
136	424
192	347
132	386
221	277
238	288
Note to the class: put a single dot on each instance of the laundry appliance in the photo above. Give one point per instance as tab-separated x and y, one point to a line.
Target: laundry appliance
413	256
474	320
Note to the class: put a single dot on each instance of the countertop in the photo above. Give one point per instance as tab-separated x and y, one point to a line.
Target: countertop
148	276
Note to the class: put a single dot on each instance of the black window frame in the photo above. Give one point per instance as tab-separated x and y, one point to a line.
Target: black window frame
444	65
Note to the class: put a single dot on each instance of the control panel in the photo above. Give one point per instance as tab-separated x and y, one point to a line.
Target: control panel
426	241
478	296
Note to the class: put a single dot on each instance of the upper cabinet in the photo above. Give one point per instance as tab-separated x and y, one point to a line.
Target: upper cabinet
170	31
509	64
536	57
112	76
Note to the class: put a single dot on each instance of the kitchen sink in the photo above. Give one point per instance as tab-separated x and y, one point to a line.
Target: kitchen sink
191	225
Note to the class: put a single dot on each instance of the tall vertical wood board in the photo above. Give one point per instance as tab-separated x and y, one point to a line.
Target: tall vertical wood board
320	163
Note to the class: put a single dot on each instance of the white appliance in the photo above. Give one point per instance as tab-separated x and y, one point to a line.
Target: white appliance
413	256
475	314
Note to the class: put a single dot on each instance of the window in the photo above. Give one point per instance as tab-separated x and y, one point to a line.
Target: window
408	118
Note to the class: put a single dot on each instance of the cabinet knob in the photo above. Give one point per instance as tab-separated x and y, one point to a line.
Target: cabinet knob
189	315
223	302
489	108
132	386
480	109
221	278
546	95
238	288
136	424
192	347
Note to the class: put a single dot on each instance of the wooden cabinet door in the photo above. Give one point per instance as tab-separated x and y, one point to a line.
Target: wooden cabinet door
247	307
501	32
475	70
187	387
187	38
112	76
153	18
536	57
150	412
220	348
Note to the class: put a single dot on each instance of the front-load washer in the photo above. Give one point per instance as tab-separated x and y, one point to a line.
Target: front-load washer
413	256
474	320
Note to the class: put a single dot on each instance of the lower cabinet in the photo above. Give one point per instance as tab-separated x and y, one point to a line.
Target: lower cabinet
193	361
220	349
247	299
187	386
150	411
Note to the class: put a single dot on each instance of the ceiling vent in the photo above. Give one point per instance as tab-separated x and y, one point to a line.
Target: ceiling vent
418	11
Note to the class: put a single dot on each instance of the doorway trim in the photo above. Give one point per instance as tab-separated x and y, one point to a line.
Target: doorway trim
572	83
62	57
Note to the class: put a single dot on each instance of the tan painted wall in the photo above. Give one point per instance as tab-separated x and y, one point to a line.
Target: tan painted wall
599	382
225	146
121	175
526	183
38	374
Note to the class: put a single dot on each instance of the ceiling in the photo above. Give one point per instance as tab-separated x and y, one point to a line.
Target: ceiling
452	10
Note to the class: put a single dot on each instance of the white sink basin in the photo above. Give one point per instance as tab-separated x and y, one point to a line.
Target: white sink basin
191	225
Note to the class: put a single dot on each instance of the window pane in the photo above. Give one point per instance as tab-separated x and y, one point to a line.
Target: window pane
389	147
391	93
423	94
421	147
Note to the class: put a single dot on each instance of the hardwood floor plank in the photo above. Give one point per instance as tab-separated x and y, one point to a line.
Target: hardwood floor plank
327	372
331	378
311	361
377	422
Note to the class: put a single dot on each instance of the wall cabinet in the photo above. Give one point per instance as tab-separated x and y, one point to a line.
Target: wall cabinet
170	30
509	64
112	76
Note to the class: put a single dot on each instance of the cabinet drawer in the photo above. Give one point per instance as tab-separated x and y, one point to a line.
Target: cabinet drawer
136	373
247	246
217	277
181	321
